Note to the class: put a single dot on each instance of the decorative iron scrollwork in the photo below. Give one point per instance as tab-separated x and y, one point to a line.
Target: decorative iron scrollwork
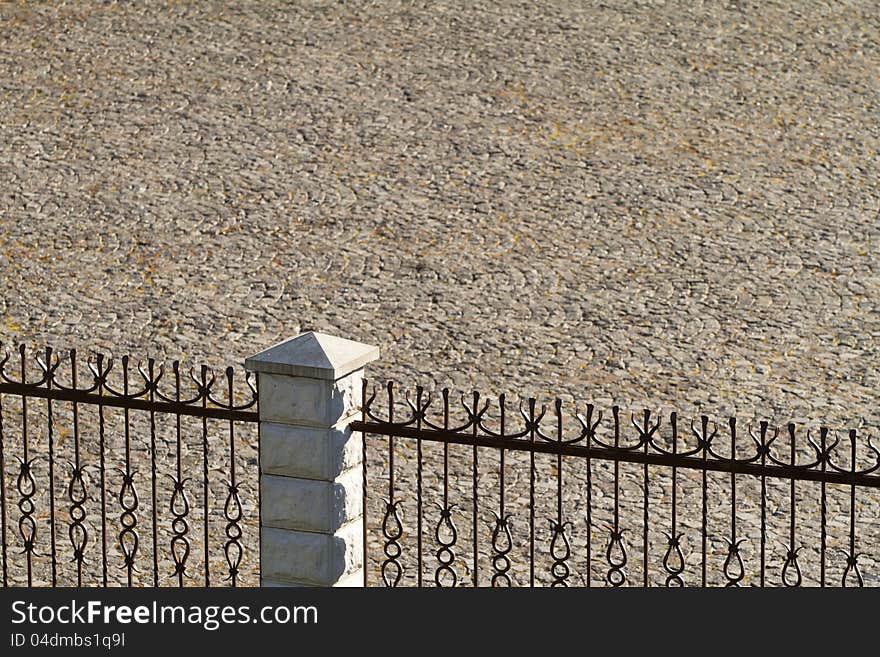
446	536
598	438
101	368
560	552
587	434
232	511
852	570
27	488
673	560
791	569
77	532
109	384
734	570
180	546
392	529
502	544
128	537
615	555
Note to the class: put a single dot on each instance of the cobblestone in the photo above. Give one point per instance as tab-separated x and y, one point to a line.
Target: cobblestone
650	203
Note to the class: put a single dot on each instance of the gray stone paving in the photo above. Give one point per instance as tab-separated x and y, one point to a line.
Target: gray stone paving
654	203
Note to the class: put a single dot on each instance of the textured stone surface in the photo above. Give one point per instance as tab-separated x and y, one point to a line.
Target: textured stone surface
308	452
298	557
316	402
651	202
355	579
311	505
656	204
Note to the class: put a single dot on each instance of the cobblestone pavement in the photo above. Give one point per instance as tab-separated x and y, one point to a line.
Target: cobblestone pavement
670	204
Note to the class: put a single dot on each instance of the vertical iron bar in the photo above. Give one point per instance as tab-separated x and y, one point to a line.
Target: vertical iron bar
501	543
823	435
792	523
205	470
674	419
128	484
589	501
852	557
645	511
390	448
474	489
77	513
364	476
501	463
793	507
103	468
233	531
420	565
732	482
51	438
559	543
179	525
673	548
260	494
532	494
616	412
446	449
150	371
791	556
392	529
26	465
705	509
445	553
616	575
763	502
733	556
559	463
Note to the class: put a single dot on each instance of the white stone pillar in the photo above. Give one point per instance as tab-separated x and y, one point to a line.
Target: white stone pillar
311	493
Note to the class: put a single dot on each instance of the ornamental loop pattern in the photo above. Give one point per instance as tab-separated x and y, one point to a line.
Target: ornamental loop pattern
483	425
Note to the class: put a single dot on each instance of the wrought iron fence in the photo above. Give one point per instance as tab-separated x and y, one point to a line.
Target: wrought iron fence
148	475
139	445
738	503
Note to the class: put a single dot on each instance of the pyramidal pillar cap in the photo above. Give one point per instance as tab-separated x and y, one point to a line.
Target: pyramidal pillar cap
313	355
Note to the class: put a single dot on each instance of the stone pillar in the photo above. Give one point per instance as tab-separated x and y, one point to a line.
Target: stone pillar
311	493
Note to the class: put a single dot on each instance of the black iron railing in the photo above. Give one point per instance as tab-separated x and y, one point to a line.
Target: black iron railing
147	475
165	446
722	474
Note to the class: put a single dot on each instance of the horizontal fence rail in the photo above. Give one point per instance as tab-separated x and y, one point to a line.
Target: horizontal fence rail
116	478
663	456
